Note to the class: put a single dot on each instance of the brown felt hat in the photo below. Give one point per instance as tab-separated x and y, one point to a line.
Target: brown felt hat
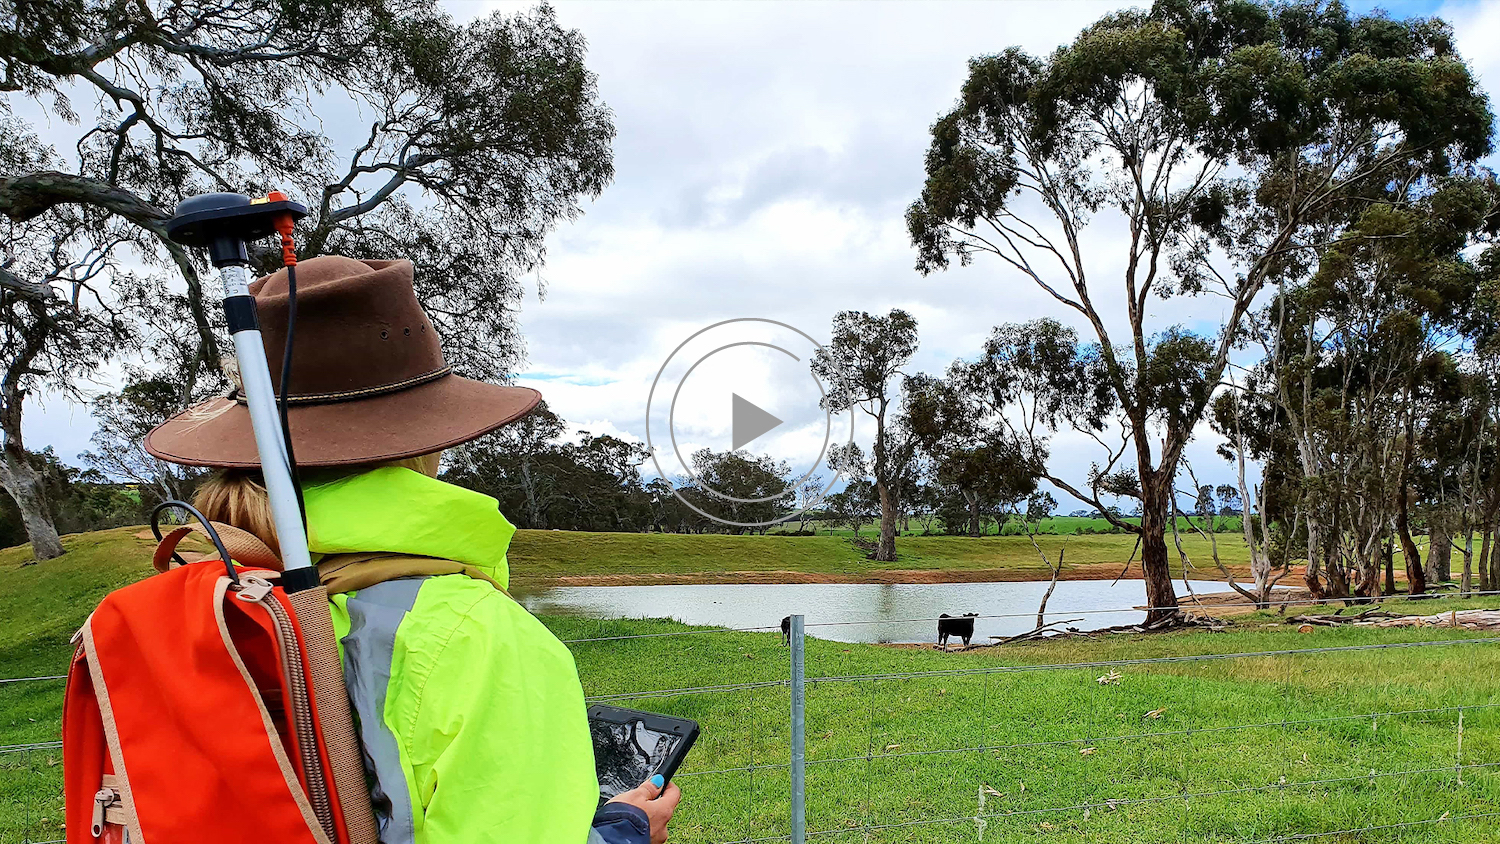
369	382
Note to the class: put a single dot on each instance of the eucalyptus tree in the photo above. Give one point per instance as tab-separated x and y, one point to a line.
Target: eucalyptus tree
468	142
515	463
861	364
124	418
741	487
56	330
971	452
1360	358
1459	436
1482	366
1230	138
1242	416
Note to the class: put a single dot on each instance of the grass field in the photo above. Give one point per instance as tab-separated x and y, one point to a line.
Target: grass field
1265	746
539	555
1030	776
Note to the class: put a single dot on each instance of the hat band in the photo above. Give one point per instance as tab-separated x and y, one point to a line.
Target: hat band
363	393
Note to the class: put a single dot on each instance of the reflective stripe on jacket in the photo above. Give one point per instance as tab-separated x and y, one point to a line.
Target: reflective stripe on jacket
470	711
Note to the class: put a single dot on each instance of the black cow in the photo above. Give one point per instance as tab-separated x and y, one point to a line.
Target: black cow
786	630
960	626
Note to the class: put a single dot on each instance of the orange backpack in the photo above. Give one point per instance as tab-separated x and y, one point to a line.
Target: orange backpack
189	717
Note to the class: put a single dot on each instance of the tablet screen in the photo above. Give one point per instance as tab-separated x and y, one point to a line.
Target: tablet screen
626	755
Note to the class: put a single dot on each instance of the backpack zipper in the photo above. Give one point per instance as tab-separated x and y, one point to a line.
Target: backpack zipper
254	590
105	798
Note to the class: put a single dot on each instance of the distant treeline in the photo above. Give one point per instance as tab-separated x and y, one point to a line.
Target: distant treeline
79	500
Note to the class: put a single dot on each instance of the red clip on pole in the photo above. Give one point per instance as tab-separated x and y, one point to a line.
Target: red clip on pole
284	223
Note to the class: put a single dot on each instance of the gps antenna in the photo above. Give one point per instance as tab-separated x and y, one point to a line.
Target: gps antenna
223	223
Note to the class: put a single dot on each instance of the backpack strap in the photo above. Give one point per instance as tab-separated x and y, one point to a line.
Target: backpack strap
341	573
338	573
243	547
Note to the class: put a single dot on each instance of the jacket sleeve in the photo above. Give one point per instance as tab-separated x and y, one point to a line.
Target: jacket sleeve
620	823
497	733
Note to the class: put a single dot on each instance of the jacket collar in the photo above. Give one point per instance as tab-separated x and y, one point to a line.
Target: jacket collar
406	512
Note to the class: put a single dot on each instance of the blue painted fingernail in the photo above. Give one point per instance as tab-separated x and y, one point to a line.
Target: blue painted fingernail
657	781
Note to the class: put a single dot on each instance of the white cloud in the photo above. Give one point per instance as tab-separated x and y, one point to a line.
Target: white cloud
765	155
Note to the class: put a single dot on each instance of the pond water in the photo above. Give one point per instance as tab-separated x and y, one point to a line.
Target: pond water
861	612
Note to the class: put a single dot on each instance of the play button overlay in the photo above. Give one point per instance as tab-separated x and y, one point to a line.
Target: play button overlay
687	428
749	422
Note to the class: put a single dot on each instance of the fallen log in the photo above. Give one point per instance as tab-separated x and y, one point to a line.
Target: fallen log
1034	633
1336	619
1465	619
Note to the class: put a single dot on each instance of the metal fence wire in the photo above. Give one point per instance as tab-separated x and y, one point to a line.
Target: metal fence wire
1349	742
1325	738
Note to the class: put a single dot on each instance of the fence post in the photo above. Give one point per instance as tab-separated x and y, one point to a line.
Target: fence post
799	743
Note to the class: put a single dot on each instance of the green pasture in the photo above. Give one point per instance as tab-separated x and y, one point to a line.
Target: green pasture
1264	746
544	554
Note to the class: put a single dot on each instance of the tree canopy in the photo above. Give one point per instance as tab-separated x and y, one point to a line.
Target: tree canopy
466	144
1234	140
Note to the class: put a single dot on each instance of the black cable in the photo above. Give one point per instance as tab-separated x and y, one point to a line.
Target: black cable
207	526
286	380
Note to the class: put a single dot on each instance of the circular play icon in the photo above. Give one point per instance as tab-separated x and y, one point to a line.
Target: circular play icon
736	424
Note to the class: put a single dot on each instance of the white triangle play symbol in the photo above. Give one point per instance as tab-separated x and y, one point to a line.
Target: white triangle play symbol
749	421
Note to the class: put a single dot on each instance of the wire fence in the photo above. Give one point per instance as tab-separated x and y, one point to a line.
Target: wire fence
1350	735
1082	739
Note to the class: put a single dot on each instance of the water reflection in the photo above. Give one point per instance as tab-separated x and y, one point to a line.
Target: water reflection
832	609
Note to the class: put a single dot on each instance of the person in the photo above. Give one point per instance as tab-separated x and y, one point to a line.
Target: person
471	714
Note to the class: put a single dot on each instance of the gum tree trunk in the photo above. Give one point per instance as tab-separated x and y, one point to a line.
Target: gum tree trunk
1439	566
1156	508
1486	529
1389	552
1494	560
1312	574
1466	583
1369	568
17	475
1416	581
24	484
885	552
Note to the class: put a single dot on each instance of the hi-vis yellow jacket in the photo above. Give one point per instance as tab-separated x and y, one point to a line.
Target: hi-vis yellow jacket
470	712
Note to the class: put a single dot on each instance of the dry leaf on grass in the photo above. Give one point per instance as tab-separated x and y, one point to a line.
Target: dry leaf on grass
1087	751
1109	679
1155	713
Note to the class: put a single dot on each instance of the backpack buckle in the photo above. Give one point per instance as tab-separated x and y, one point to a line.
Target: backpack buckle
253	589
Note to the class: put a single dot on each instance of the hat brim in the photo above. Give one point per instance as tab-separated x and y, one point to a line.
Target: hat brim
415	421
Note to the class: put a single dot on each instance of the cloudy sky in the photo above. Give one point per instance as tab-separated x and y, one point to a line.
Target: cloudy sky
765	155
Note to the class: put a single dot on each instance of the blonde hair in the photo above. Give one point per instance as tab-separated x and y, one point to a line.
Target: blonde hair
237	497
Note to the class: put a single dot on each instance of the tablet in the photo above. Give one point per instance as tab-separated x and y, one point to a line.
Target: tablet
630	746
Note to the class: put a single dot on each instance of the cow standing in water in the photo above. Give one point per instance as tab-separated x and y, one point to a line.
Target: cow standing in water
961	626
